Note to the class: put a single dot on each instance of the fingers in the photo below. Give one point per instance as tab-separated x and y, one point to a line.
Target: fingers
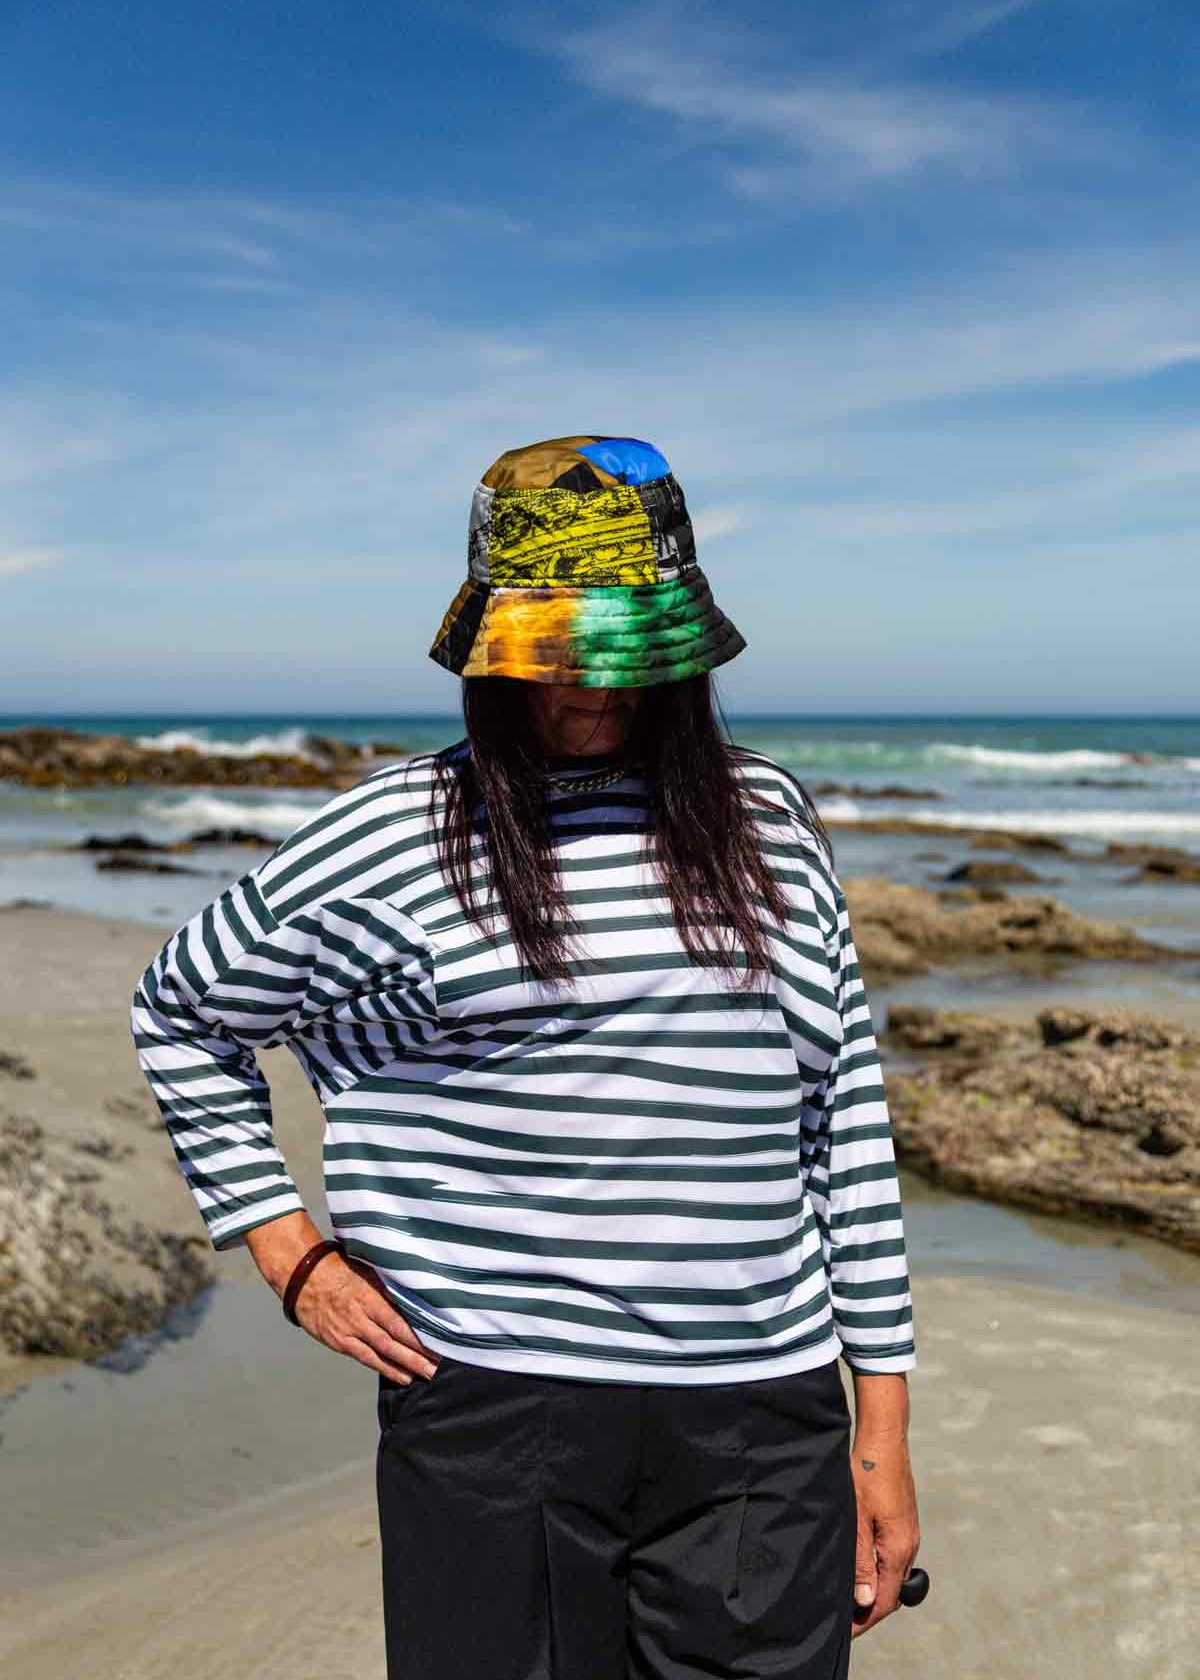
349	1314
887	1587
865	1572
366	1355
405	1351
881	1565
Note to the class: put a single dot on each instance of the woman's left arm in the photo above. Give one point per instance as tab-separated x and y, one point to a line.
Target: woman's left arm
854	1189
889	1530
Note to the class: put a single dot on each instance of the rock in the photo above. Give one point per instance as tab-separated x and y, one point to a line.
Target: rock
128	861
1087	1112
1101	782
993	838
1156	863
916	1027
44	756
1161	870
335	751
76	1276
853	790
228	837
1063	1022
901	930
121	843
16	1067
991	871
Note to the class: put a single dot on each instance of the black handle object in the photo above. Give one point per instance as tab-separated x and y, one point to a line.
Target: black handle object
914	1587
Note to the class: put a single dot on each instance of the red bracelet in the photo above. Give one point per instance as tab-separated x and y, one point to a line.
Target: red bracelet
303	1267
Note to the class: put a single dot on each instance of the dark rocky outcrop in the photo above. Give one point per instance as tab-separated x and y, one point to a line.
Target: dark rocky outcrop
141	843
1155	863
901	930
1086	1111
223	837
853	790
1100	782
77	1276
49	757
991	872
135	862
122	843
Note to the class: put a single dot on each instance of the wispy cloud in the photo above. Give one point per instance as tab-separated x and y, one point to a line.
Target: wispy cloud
46	431
840	123
712	523
14	560
959	24
230	240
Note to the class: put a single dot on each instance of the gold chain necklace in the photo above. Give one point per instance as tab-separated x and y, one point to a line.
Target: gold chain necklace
589	783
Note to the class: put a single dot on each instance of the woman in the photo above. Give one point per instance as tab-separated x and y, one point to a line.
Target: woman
607	1152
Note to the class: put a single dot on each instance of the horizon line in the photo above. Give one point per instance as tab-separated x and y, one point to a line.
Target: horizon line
193	713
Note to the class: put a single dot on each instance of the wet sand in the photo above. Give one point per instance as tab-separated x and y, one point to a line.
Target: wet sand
204	1503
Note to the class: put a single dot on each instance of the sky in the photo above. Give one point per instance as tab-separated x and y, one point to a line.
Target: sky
905	291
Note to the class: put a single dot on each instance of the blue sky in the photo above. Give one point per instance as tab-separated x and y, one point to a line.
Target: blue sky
906	292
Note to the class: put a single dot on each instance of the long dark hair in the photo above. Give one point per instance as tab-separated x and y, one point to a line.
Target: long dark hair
701	830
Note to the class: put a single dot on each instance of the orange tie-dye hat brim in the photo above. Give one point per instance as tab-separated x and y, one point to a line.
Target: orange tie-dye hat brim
582	569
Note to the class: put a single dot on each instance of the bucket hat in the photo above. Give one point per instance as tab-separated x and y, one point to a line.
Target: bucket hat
582	569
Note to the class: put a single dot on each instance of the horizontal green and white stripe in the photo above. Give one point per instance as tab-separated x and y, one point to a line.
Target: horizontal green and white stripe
650	1176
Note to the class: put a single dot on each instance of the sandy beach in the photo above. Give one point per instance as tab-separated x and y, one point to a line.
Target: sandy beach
1053	1439
202	1502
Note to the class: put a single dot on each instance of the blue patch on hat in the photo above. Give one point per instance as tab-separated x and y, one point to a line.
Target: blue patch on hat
628	459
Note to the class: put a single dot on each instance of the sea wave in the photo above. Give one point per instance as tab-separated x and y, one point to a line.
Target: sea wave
1005	758
1103	825
838	809
276	818
290	742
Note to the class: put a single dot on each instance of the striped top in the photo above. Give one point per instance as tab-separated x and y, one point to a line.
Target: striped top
647	1176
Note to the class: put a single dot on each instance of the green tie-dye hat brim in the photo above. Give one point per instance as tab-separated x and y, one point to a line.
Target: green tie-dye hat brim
582	569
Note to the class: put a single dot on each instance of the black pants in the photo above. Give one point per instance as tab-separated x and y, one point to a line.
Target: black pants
546	1528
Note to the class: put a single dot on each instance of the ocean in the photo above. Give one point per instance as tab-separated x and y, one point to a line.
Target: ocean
1089	780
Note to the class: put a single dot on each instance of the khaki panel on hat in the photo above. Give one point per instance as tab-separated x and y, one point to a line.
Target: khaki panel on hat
539	465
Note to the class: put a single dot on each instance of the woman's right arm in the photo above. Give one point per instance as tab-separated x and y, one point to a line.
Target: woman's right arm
235	979
342	1303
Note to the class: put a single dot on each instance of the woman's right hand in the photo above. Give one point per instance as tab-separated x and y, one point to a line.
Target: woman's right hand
344	1305
342	1302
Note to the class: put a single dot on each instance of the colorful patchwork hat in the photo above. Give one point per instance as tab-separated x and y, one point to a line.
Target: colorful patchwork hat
582	569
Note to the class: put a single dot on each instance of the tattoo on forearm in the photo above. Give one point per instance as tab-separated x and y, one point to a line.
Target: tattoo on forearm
867	1463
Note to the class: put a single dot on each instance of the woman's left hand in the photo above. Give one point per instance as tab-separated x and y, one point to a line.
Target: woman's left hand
889	1532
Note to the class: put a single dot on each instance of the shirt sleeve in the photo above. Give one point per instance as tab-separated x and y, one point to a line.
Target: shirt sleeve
353	976
853	1184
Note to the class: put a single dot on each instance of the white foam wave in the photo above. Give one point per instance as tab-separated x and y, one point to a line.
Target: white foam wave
1003	758
838	809
276	818
1103	825
292	742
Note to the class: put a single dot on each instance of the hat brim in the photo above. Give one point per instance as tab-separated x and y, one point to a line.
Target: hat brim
610	637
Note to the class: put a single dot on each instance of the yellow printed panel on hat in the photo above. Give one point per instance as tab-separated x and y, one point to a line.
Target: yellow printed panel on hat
541	538
539	465
522	632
